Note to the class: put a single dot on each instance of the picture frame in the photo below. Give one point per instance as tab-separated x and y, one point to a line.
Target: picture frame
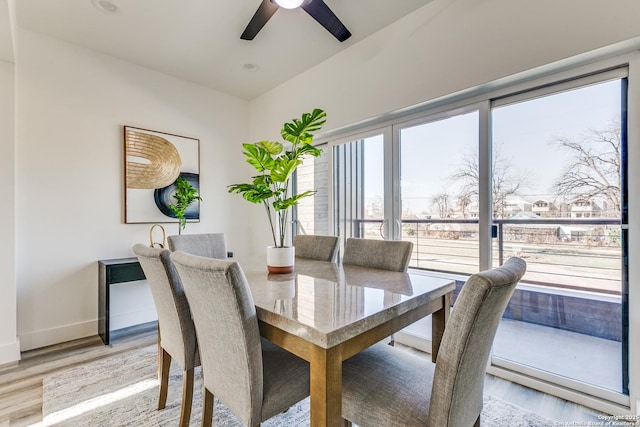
153	161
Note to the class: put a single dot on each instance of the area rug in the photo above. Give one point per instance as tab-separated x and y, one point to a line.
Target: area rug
122	390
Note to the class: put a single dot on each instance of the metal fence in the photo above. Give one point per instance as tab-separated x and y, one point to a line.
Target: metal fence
579	254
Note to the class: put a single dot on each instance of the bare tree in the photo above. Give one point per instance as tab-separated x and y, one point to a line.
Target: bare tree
441	200
505	181
594	171
464	200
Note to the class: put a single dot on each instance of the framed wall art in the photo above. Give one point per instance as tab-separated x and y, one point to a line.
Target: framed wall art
153	162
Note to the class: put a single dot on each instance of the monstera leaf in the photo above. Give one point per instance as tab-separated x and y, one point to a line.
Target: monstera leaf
258	156
300	131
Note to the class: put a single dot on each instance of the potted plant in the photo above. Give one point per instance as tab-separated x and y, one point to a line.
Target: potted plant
185	194
271	187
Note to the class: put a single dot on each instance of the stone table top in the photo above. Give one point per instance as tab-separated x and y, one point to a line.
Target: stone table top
327	303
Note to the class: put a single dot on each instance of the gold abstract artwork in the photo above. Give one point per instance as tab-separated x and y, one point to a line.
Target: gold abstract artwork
152	161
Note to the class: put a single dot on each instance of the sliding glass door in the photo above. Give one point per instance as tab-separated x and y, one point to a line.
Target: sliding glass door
539	174
558	163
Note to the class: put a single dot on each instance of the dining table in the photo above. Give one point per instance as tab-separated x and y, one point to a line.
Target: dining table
326	312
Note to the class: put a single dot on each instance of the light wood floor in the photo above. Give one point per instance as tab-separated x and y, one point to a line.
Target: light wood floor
21	383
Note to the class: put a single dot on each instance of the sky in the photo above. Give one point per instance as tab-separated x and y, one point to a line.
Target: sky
523	133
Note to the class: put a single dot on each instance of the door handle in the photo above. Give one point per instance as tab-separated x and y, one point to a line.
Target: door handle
383	226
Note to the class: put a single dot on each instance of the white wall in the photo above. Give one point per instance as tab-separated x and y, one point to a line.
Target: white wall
452	46
445	47
72	105
9	345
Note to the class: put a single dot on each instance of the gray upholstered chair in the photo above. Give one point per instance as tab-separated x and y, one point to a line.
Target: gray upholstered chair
210	245
393	255
321	248
252	377
177	335
384	386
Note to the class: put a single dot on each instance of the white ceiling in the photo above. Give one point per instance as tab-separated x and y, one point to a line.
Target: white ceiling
199	40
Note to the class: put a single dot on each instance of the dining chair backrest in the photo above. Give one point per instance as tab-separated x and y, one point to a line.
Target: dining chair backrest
457	393
392	255
383	385
316	247
177	332
231	356
210	245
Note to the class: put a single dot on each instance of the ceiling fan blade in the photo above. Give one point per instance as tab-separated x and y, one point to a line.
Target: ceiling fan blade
319	10
263	14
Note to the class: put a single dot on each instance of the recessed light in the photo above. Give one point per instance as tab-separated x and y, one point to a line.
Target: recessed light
250	67
105	6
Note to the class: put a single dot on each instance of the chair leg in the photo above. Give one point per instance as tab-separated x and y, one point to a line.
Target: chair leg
392	340
346	423
207	407
164	363
477	423
187	397
159	353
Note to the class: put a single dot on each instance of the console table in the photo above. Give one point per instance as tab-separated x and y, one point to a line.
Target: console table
110	272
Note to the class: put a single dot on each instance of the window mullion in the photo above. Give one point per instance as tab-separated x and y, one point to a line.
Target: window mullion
485	213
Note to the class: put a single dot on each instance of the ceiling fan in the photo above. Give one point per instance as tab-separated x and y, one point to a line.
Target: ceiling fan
318	10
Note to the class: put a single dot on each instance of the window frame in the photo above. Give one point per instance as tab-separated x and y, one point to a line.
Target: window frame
570	73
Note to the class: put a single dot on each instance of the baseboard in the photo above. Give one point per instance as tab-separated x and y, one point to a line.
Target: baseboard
412	340
46	337
10	353
125	320
571	395
134	330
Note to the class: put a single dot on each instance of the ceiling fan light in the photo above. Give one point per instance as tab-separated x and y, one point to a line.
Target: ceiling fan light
289	4
105	6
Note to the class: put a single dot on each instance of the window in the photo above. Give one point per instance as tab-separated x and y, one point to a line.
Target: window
439	192
538	174
311	214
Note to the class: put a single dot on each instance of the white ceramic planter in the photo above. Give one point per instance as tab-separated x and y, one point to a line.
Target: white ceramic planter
281	260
